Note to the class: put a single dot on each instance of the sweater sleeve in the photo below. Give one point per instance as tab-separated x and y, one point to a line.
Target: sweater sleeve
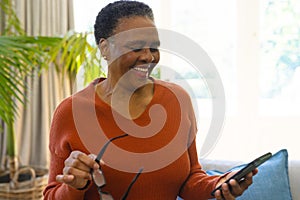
60	149
198	185
60	191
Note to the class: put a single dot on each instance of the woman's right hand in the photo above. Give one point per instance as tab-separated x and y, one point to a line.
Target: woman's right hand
76	172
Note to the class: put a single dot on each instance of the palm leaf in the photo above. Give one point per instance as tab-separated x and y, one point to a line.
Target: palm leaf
19	55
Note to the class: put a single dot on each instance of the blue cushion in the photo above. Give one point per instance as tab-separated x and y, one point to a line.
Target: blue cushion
271	182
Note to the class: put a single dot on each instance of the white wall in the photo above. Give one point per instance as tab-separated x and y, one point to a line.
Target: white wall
249	129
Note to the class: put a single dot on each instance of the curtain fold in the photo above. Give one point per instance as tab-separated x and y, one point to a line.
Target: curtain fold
45	17
2	145
45	91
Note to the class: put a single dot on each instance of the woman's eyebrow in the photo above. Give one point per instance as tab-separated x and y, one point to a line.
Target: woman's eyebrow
136	42
142	43
156	43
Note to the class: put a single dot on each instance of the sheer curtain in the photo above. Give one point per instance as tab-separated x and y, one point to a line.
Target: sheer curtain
46	18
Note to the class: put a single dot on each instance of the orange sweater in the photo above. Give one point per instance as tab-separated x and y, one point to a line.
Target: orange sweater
168	156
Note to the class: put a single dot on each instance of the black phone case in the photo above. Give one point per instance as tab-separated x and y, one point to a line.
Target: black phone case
247	169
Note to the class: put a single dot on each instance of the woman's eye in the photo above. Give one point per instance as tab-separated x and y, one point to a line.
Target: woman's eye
153	49
136	49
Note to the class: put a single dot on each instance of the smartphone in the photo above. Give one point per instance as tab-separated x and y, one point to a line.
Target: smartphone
240	175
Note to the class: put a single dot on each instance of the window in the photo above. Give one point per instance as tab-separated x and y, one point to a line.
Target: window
254	45
280	57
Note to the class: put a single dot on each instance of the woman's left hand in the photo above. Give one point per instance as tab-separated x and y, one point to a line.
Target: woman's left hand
236	188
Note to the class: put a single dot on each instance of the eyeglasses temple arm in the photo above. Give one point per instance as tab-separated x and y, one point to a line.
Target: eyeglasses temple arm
100	154
131	184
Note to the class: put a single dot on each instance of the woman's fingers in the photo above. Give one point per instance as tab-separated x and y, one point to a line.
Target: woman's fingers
65	178
224	194
87	160
234	188
93	157
227	193
76	171
246	182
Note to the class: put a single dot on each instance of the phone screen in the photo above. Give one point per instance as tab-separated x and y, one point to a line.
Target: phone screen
239	176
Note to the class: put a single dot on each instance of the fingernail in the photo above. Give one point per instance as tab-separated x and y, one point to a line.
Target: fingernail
96	166
225	188
59	177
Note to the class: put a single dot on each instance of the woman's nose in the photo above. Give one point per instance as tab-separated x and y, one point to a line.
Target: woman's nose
147	56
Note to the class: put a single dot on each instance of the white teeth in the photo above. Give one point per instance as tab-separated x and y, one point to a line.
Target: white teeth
141	69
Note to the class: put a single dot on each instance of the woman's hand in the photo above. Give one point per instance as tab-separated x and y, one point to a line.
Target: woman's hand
234	188
76	172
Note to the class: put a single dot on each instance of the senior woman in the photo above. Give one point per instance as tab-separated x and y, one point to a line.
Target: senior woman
146	152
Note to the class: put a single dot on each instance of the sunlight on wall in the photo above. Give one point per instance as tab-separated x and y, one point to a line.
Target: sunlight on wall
230	33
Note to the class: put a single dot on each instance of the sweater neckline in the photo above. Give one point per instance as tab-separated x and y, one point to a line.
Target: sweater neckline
107	107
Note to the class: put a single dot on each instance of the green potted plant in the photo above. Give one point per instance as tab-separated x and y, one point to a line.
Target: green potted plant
20	55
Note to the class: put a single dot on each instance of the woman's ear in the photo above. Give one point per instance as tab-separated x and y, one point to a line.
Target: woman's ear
104	48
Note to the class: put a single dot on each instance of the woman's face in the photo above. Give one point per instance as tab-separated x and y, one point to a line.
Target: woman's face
133	51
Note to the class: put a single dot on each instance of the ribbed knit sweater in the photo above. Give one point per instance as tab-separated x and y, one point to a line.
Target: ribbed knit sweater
162	142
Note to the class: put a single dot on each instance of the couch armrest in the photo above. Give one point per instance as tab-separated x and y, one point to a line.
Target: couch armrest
224	165
294	175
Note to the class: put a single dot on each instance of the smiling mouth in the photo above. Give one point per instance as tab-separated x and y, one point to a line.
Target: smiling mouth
142	71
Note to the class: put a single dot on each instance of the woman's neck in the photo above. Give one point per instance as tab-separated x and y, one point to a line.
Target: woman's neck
123	99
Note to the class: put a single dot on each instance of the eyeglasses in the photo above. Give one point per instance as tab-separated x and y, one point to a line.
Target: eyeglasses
99	178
